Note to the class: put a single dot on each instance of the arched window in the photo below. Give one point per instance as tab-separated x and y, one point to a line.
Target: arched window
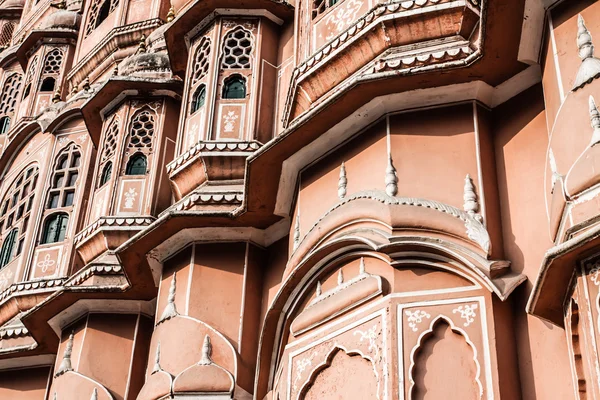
198	99
4	125
99	11
15	211
29	77
10	93
53	61
110	140
201	59
48	84
64	179
136	165
6	34
55	228
234	87
237	49
106	173
8	247
142	130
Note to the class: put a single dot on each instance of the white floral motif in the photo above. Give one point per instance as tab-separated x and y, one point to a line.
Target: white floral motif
82	138
230	119
130	196
5	278
301	366
370	335
342	17
46	263
63	140
595	273
415	317
193	133
467	312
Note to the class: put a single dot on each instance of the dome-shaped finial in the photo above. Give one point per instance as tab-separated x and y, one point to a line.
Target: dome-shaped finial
56	95
157	367
584	39
94	394
171	14
86	84
142	45
342	182
391	179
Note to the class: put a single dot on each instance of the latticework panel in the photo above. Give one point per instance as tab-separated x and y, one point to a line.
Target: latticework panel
94	14
142	130
12	85
6	33
237	49
201	59
110	140
53	61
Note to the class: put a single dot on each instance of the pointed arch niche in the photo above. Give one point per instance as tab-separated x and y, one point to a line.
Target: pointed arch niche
414	307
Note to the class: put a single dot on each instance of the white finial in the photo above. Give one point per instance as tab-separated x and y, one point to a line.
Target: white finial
590	65
170	310
206	351
297	231
94	394
342	182
471	206
65	364
55	397
319	290
595	121
340	277
157	367
361	268
391	179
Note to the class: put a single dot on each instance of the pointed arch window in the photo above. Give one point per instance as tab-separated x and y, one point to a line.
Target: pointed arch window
137	165
106	174
4	125
198	99
64	179
10	93
234	87
55	228
15	212
6	33
201	60
29	77
48	84
51	69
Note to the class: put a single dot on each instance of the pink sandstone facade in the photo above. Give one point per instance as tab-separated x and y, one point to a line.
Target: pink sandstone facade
299	199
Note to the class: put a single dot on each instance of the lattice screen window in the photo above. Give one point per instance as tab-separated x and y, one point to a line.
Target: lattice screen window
201	59
64	179
110	141
237	49
6	33
53	62
30	76
8	102
99	11
15	211
142	131
320	6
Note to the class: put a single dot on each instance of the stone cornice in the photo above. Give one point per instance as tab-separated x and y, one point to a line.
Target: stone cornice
118	223
213	148
86	273
207	198
118	37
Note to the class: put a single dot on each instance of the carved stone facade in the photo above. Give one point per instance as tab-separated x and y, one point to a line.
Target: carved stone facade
297	200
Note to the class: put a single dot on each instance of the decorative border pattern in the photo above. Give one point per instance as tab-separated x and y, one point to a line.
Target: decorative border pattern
221	146
112	221
32	285
94	270
200	198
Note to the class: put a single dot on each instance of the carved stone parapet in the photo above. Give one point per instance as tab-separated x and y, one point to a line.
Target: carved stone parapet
108	233
382	28
18	288
209	161
117	38
199	199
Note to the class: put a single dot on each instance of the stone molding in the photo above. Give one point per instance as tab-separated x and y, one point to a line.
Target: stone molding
86	273
115	222
17	288
213	148
199	198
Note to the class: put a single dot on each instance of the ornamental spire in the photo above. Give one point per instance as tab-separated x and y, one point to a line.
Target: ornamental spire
342	182
361	267
590	65
297	231
65	364
94	394
206	351
170	310
391	179
319	290
595	121
171	14
340	277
